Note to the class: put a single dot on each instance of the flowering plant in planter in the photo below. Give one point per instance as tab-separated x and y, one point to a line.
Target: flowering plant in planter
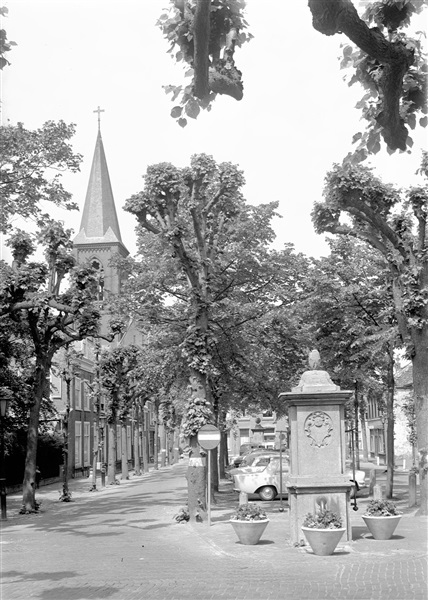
381	508
323	519
249	512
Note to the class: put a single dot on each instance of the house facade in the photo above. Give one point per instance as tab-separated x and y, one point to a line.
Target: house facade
376	422
264	429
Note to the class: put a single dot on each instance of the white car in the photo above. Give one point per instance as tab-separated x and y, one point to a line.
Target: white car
265	480
254	462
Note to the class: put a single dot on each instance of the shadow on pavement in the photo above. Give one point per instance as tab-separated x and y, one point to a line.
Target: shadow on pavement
39	576
78	593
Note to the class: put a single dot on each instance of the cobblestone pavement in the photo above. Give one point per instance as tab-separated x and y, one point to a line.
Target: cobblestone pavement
122	543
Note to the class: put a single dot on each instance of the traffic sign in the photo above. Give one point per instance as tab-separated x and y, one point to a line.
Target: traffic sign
209	437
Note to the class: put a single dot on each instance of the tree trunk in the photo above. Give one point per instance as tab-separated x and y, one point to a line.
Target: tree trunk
137	466
356	437
125	472
176	445
112	439
144	444
95	452
364	439
169	441
196	482
29	483
163	444
147	436
65	491
214	470
223	454
390	454
420	387
156	448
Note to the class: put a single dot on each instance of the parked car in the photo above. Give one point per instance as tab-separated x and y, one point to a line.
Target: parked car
255	461
265	480
259	457
244	450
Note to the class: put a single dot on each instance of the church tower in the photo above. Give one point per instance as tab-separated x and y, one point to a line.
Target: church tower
99	236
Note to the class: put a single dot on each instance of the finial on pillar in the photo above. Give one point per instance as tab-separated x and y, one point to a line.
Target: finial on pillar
99	111
314	359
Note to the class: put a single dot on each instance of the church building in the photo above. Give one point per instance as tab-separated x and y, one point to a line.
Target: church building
98	241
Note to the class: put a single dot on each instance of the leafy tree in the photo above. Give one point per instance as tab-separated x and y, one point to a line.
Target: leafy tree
384	59
214	245
206	34
31	163
117	366
34	296
5	44
395	225
351	309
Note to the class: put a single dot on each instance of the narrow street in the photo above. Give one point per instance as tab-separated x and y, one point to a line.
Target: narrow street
123	543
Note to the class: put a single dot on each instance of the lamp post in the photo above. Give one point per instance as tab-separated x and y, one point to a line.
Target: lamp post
4	401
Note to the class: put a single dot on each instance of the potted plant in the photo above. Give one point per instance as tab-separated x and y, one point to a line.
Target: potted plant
323	531
249	522
381	518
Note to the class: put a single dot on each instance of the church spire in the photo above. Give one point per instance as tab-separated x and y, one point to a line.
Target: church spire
99	219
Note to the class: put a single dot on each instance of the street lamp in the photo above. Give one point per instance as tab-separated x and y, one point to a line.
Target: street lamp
4	401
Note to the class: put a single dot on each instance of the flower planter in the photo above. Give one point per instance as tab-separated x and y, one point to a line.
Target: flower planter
381	528
323	541
249	532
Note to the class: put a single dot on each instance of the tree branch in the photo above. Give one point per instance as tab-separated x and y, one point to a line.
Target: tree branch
340	16
142	219
201	36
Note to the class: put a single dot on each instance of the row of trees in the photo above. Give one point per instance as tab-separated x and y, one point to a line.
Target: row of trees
220	303
228	320
390	64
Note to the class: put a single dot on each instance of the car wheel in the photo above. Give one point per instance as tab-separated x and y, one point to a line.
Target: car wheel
267	493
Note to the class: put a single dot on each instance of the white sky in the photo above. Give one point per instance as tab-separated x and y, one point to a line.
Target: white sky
296	119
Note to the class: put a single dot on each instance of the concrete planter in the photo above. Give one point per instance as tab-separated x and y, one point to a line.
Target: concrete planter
323	541
249	532
381	528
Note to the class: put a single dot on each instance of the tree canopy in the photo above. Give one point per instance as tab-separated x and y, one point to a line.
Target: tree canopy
381	55
52	303
394	223
31	164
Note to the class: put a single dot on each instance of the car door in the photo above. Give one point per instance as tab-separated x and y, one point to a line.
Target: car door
276	478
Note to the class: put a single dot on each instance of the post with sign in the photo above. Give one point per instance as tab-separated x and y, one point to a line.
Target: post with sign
208	439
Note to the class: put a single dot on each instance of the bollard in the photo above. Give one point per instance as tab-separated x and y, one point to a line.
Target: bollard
412	489
377	492
243	498
372	481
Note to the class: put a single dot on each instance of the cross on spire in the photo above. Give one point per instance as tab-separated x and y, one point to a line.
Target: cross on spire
99	111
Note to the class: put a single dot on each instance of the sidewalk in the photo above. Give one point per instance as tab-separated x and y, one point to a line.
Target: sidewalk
122	543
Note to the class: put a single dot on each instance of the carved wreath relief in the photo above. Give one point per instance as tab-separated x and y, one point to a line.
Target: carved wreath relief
318	428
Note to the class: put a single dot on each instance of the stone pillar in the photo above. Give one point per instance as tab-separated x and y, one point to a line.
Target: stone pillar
316	412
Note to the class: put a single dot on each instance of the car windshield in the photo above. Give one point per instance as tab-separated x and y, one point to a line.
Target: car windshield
256	460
